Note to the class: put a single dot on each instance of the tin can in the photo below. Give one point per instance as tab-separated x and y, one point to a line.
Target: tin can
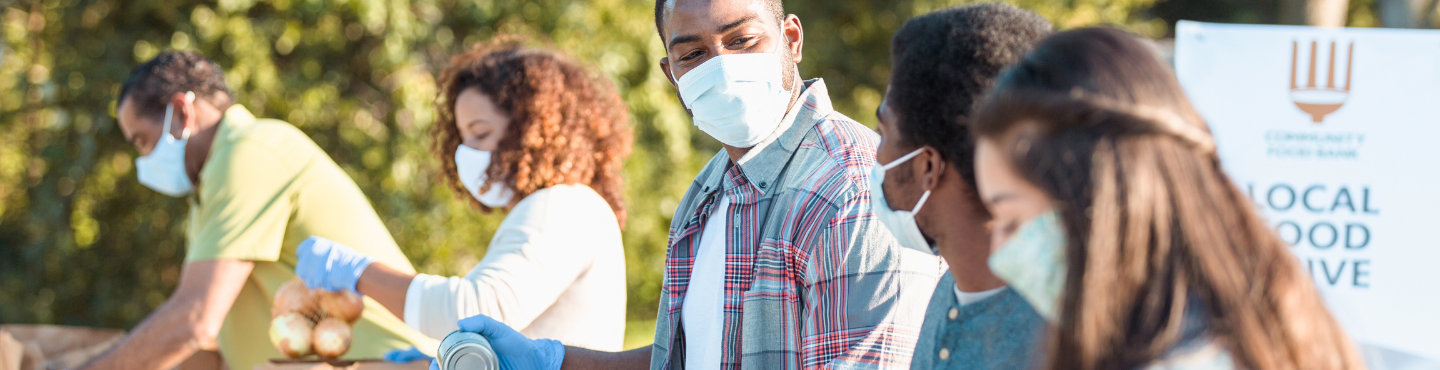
466	351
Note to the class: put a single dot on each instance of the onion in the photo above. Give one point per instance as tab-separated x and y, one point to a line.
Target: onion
342	305
291	333
332	338
294	297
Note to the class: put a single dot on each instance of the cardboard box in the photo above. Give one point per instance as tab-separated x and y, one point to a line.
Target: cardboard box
315	364
53	347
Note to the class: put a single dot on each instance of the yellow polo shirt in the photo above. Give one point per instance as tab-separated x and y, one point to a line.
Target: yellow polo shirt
265	188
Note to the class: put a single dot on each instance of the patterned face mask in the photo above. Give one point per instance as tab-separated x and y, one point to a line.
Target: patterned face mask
1033	262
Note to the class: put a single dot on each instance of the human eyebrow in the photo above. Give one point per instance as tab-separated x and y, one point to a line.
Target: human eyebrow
682	39
732	25
478	124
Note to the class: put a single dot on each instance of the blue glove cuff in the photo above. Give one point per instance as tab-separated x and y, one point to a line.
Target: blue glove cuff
553	350
357	266
405	355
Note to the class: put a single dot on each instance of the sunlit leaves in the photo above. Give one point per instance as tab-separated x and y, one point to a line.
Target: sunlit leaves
81	242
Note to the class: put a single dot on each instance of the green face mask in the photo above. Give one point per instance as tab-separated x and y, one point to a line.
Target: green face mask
1033	262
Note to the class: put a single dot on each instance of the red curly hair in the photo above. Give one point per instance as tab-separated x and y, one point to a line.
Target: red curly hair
567	125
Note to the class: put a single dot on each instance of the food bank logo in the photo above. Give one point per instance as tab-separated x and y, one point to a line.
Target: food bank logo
1316	100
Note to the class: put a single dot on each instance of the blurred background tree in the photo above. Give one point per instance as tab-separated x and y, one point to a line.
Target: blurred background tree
83	243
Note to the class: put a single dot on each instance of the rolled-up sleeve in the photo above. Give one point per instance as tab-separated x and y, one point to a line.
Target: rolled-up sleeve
524	272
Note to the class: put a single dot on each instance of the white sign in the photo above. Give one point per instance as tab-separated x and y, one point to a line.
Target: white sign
1335	133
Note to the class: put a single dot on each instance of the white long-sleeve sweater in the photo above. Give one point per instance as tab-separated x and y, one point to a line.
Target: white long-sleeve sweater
555	269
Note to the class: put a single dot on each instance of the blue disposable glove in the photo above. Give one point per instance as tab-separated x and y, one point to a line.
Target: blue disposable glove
401	356
516	352
326	264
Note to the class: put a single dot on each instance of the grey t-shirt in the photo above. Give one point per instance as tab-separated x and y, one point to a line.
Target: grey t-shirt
999	332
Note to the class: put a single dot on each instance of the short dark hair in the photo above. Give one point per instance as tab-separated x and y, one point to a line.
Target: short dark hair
776	9
945	61
151	85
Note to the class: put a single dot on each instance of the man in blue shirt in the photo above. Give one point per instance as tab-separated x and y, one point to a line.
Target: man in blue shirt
942	63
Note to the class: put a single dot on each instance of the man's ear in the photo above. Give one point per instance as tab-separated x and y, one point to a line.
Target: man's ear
674	83
183	112
932	167
665	67
795	34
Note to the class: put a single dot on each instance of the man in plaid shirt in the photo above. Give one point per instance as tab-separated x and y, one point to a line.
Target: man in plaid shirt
775	258
811	278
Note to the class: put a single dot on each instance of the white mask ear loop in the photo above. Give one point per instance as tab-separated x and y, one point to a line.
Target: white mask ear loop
921	202
902	159
170	108
796	83
896	163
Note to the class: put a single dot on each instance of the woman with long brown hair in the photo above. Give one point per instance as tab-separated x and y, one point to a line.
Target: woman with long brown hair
531	132
1112	215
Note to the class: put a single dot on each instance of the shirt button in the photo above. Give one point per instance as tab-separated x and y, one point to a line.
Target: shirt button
954	312
944	354
762	184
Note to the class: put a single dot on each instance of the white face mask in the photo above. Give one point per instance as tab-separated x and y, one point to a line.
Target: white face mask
901	223
164	169
471	164
738	99
1033	262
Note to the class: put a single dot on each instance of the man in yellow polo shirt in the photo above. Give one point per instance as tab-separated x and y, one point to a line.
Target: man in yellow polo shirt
257	188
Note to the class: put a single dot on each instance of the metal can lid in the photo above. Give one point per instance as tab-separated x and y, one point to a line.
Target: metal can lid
466	351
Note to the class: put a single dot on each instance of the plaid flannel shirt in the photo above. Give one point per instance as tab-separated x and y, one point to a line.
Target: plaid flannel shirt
812	279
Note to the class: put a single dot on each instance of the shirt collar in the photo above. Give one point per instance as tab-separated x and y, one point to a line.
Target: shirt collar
780	130
762	164
234	117
966	298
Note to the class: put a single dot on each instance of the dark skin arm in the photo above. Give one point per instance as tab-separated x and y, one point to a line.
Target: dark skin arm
585	359
188	322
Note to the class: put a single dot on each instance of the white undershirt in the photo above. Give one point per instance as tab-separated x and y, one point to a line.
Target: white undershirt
968	298
701	313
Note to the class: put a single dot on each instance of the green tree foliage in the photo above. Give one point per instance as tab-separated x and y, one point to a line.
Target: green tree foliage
83	243
848	42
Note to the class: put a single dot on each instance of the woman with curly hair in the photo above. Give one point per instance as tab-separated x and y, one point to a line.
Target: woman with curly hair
1114	218
531	132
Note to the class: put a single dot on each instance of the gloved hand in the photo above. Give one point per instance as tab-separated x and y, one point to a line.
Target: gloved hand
326	264
516	352
401	356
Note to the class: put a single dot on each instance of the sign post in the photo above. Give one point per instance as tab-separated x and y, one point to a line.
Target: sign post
1335	134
